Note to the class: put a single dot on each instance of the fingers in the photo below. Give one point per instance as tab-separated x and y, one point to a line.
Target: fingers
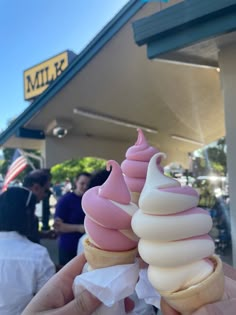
166	309
129	305
58	290
84	304
57	221
73	268
56	297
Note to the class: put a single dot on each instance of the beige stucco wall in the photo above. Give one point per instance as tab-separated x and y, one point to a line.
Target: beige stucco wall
58	150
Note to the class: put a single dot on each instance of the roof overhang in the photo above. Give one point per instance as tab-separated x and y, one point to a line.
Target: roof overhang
113	78
188	32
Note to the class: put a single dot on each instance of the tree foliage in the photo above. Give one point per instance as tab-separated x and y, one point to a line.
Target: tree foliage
211	159
60	171
72	167
217	157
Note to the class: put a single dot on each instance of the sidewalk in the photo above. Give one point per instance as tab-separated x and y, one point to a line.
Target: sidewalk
51	245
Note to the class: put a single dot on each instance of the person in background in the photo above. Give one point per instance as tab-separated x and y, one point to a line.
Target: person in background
38	181
68	186
46	213
57	191
69	219
24	266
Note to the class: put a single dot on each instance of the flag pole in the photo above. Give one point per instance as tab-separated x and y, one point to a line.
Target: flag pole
33	156
28	160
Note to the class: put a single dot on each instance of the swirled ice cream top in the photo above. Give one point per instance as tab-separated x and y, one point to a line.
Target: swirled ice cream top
135	165
141	150
162	195
109	211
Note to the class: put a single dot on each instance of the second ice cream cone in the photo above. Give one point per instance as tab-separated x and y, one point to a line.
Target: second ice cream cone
98	258
208	291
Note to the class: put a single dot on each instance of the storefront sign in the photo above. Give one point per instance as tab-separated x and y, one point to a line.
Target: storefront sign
38	78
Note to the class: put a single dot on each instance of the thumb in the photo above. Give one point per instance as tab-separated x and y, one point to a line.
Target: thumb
83	304
167	309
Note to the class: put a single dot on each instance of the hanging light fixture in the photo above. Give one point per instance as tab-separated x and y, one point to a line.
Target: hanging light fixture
113	120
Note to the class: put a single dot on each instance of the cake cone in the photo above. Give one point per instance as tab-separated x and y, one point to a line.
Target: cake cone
98	258
135	197
208	291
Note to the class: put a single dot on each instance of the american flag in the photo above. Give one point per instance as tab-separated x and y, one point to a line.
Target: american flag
18	164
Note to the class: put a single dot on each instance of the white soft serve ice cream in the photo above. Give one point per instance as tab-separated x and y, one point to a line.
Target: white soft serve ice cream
172	231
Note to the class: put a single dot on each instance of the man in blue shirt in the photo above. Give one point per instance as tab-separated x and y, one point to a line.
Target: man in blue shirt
69	219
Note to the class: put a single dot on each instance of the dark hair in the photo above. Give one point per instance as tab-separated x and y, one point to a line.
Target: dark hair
41	177
48	172
17	206
82	174
98	178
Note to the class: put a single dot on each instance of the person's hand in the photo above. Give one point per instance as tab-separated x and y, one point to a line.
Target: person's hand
61	227
58	225
226	306
166	309
56	297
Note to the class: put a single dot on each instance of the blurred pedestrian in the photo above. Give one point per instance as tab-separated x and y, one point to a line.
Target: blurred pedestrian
67	187
57	191
69	219
38	181
24	266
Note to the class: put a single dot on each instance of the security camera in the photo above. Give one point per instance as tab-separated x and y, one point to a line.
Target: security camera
60	132
58	127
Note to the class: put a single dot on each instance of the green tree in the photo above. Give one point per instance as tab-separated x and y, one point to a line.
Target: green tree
7	157
211	159
72	167
217	157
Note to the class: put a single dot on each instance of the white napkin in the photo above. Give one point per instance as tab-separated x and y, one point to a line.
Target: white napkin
145	290
110	285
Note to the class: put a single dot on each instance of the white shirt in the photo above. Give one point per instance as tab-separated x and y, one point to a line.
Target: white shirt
24	268
67	188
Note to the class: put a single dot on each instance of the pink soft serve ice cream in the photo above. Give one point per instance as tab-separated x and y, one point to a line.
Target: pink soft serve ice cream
173	231
109	212
134	167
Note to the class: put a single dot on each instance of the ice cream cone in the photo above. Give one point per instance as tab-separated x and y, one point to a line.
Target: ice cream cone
135	197
98	258
208	291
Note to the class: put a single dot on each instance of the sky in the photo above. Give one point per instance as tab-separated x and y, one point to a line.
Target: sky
32	31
